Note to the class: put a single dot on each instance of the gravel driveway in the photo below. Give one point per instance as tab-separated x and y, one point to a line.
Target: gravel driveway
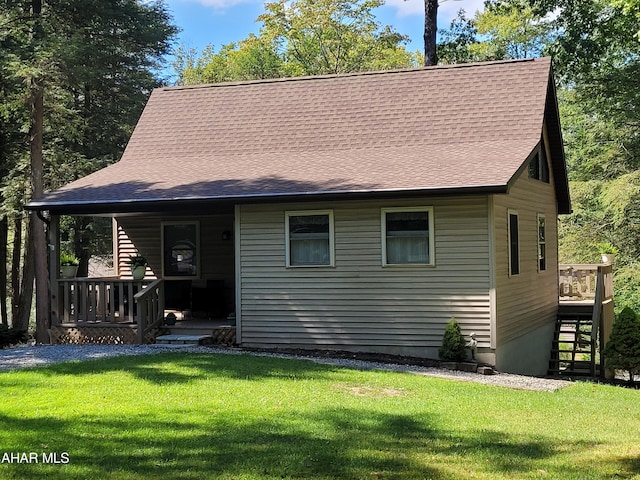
32	356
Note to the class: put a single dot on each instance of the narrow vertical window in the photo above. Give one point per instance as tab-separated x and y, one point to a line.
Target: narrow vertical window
542	243
514	244
309	239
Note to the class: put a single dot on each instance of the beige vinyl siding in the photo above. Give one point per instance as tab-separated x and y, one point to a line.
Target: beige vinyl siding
123	249
529	300
360	303
217	255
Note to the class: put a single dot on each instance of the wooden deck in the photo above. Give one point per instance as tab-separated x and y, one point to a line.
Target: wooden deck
584	322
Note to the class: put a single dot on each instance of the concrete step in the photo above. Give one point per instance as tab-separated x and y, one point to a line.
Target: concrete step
185	339
190	331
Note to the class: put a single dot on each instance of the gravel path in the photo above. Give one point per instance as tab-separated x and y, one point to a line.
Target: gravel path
32	356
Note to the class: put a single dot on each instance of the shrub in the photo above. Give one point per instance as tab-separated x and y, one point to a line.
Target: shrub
622	351
11	336
453	347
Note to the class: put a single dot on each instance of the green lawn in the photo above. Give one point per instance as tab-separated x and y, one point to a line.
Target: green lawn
189	416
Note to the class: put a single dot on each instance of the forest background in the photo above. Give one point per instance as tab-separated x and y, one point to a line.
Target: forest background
76	74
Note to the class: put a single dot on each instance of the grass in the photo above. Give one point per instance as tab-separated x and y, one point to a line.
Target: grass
188	416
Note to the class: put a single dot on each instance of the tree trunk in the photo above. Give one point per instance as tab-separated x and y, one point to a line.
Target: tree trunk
4	235
430	29
38	235
25	295
37	243
15	267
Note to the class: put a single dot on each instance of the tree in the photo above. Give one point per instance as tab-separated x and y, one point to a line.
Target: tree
88	67
512	30
249	59
456	42
302	37
430	31
505	29
331	36
622	351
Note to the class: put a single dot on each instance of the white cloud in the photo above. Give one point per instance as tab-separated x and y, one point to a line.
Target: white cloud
446	11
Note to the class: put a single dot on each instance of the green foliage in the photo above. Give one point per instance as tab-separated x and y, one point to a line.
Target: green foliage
97	62
453	347
137	261
302	37
622	351
506	29
608	248
512	29
455	42
11	336
68	259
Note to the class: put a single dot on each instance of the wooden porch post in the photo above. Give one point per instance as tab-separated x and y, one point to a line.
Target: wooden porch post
54	263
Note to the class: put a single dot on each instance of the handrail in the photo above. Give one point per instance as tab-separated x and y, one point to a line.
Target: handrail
577	281
98	299
603	313
150	306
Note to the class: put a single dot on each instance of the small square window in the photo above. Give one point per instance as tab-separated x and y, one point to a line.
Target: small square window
309	239
407	236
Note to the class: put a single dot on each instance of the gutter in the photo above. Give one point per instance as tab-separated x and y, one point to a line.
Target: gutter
180	203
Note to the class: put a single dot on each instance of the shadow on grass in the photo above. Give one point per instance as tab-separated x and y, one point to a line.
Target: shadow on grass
176	367
251	442
329	444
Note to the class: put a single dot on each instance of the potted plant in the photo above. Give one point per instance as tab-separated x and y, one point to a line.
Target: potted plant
68	265
138	265
608	252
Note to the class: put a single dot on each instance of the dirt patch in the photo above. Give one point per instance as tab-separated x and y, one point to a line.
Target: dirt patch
372	392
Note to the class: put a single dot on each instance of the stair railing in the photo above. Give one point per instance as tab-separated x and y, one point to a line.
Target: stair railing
603	314
150	308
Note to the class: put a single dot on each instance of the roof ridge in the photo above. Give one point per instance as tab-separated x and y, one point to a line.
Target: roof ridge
346	75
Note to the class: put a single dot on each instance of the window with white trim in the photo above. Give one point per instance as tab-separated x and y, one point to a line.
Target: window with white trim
514	243
407	236
542	243
309	237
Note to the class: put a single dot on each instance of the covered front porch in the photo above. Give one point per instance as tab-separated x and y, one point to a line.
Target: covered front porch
190	273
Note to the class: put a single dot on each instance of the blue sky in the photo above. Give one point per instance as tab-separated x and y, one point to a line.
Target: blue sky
219	22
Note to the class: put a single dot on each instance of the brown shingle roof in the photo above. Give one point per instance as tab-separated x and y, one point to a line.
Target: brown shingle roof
456	127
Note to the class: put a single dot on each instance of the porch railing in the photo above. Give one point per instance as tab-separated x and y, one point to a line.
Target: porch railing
111	301
578	281
150	303
104	299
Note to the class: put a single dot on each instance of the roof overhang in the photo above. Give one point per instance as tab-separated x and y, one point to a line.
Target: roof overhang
226	203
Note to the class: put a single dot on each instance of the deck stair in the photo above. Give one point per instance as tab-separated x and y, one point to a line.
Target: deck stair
574	352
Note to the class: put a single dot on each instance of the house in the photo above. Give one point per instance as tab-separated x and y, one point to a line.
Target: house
357	212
